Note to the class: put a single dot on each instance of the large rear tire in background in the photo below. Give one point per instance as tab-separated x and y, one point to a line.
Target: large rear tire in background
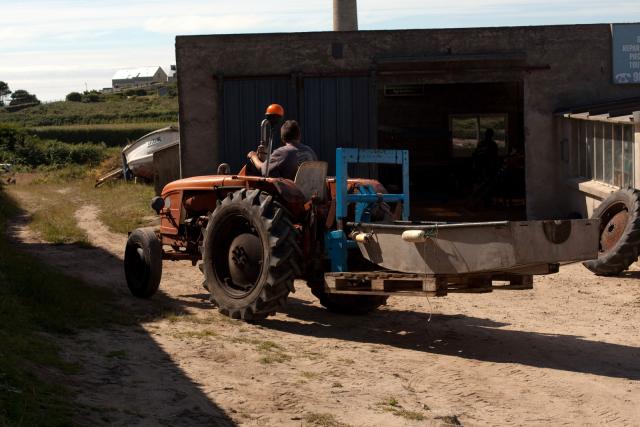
250	255
143	262
619	233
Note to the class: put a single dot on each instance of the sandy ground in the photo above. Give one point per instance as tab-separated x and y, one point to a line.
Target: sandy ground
565	353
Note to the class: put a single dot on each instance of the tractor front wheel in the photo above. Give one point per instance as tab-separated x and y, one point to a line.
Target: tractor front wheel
250	255
143	262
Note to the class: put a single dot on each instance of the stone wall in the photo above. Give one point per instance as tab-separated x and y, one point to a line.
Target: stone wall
558	66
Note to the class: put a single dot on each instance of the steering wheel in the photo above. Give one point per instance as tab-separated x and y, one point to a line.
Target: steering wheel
251	169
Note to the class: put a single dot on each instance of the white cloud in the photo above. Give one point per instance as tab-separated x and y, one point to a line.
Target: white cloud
53	74
198	24
80	40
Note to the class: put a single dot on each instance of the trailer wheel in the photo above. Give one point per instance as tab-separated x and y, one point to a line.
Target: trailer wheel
250	255
619	233
143	262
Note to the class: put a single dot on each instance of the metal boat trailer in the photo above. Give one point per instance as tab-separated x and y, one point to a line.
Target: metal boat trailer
436	258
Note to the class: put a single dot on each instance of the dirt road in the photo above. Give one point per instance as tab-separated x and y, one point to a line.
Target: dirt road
566	352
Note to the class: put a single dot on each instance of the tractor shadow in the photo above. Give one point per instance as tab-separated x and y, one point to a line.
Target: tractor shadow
462	336
126	377
630	274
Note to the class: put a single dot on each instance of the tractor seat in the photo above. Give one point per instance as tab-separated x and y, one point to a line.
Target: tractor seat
311	180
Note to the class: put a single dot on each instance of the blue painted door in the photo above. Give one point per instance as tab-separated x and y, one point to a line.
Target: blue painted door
338	112
332	111
243	105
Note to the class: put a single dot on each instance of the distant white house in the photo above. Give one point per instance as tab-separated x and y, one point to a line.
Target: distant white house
135	77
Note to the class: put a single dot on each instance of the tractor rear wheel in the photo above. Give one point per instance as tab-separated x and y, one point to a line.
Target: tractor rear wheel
143	262
250	255
619	233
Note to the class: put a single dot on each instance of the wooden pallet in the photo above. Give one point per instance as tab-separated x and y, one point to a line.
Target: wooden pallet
400	284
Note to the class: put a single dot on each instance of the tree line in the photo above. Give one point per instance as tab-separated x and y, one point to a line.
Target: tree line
17	97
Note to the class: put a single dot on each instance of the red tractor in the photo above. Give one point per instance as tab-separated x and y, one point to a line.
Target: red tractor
348	238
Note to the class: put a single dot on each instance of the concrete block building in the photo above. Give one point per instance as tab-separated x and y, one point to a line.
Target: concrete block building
434	92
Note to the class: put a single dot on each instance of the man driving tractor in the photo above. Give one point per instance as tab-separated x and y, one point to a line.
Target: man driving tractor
285	160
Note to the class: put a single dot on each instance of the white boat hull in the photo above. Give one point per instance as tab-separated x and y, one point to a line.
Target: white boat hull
139	154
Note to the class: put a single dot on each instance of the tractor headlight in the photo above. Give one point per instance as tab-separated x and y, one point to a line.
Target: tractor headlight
157	203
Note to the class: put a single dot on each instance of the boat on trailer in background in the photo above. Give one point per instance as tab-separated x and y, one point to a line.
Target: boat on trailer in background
137	157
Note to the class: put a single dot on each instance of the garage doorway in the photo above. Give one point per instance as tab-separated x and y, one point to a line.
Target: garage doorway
454	175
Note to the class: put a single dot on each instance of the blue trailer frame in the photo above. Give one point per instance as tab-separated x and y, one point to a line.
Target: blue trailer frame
336	242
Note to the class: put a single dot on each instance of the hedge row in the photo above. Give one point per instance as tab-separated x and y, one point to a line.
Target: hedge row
18	147
73	119
112	137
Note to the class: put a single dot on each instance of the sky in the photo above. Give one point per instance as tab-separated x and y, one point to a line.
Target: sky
54	47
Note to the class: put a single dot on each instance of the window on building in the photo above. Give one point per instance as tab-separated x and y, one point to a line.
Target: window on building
468	130
604	152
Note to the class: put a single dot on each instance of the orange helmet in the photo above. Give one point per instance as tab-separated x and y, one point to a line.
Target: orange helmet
275	110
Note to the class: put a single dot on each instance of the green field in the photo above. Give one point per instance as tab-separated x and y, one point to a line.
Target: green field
114	120
113	135
140	109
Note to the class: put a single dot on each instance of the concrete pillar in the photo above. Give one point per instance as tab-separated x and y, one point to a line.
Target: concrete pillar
636	148
345	15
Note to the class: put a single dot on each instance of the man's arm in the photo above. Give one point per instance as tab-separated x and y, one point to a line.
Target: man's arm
277	159
255	159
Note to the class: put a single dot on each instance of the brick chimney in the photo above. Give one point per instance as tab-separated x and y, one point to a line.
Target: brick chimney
345	15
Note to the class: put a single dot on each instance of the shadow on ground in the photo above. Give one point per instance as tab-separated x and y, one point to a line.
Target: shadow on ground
126	377
463	336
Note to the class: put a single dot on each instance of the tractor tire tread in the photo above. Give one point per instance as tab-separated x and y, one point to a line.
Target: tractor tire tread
625	252
284	256
147	240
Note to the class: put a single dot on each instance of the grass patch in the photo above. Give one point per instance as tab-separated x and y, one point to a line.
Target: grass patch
175	317
450	420
265	346
123	206
274	358
271	352
57	224
322	420
37	301
245	340
311	375
409	415
392	406
53	196
205	333
391	401
52	203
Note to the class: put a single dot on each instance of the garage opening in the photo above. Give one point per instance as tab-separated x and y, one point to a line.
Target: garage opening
466	145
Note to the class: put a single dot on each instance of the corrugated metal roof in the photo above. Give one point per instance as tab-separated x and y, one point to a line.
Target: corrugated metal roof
620	111
133	73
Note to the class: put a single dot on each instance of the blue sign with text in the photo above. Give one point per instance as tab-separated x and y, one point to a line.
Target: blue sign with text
626	53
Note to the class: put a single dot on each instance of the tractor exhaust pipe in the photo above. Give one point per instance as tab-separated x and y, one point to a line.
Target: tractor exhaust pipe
345	15
273	118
